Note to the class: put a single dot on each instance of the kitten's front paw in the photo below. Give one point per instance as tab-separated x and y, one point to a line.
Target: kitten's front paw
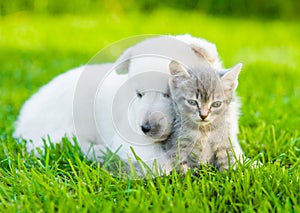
184	168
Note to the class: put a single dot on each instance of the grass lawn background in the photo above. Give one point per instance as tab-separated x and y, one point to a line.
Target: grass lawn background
34	49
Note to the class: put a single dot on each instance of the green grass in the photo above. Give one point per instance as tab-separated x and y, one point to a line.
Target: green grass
34	49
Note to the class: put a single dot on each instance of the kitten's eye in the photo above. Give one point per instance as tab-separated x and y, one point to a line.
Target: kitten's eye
192	102
216	104
139	94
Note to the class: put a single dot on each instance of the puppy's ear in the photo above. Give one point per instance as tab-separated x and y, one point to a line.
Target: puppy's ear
203	53
178	70
123	62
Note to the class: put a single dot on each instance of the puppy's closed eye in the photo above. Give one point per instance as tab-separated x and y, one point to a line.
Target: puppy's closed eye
166	95
139	94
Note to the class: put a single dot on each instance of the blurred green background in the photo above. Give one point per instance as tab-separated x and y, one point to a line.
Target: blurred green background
263	8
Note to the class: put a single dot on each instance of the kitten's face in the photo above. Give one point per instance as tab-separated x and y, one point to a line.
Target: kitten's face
201	95
202	101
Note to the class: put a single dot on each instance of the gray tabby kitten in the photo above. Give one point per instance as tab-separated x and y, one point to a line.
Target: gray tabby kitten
207	117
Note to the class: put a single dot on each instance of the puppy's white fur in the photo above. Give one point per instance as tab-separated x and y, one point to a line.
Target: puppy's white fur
50	112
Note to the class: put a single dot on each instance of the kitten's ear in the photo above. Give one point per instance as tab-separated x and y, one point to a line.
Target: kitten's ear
230	78
177	70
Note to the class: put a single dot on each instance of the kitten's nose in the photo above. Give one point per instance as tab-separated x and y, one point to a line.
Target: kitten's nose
146	127
203	117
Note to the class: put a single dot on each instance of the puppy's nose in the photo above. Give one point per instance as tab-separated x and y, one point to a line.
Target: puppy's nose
146	127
